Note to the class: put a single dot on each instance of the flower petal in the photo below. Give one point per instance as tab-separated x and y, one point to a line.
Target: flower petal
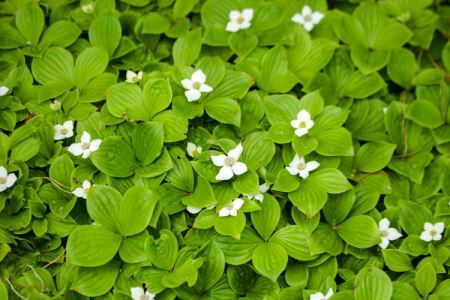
329	293
10	180
426	236
304	115
86	154
239	168
85	137
297	18
309	124
4	90
236	152
233	212
437	237
384	243
303	174
187	84
75	149
295	123
308	26
137	292
193	210
190	149
94	145
301	132
80	193
150	296
264	187
219	160
384	224
199	76
428	226
393	234
224	212
245	24
234	14
306	10
292	170
2	187
247	14
192	95
68	125
311	165
317	17
237	203
316	296
232	26
259	197
131	76
439	227
225	173
86	184
3	172
204	88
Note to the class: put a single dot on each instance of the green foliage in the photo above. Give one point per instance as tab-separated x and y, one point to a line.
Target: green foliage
225	149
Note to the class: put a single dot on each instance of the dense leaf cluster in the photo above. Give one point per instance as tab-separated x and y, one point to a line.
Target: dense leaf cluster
218	149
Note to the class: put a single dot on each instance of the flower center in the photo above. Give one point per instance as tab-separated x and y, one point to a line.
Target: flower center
64	131
85	146
240	20
384	233
302	124
230	206
301	166
229	161
433	232
143	297
307	18
3	180
196	85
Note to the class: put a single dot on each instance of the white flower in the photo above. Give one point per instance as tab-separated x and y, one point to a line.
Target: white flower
193	149
55	105
320	296
132	77
138	293
303	123
231	208
229	163
63	131
260	196
81	192
432	232
307	18
6	180
86	147
195	210
88	8
387	234
298	166
3	90
240	20
195	86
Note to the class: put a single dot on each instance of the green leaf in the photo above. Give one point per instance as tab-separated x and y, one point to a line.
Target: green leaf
326	240
241	44
30	23
60	34
281	133
157	95
374	156
167	244
446	56
425	279
186	273
213	266
372	284
413	216
397	260
136	210
224	110
125	100
56	65
329	180
238	252
186	49
155	23
182	7
105	33
132	248
308	199
335	142
424	113
90	63
115	157
232	226
295	240
94	282
285	182
258	150
25	150
266	220
401	66
148	142
280	108
202	196
360	232
175	126
61	168
270	259
92	246
235	84
247	183
103	205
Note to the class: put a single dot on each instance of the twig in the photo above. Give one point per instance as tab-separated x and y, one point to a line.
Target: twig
14	290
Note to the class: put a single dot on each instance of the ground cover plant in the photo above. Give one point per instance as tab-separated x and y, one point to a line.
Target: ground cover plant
224	149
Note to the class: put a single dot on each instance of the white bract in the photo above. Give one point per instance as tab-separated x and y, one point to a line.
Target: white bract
387	233
86	147
88	8
55	105
195	86
193	150
320	296
133	77
240	20
195	210
299	167
259	196
3	90
229	163
307	18
6	180
81	192
138	293
303	123
63	131
432	232
231	208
